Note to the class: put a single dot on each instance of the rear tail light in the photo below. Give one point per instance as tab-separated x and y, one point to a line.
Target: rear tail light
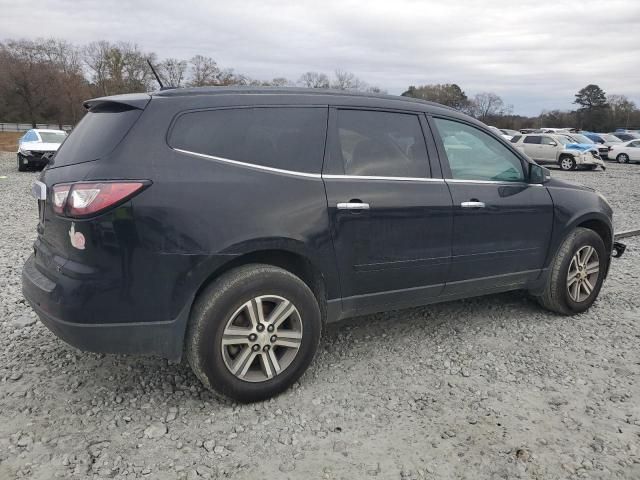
609	148
88	198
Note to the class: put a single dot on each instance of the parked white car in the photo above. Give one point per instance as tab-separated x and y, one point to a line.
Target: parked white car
625	152
37	146
558	149
497	131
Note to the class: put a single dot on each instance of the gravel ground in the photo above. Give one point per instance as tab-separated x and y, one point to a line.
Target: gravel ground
492	387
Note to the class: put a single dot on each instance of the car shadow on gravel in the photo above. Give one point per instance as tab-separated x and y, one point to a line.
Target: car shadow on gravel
126	378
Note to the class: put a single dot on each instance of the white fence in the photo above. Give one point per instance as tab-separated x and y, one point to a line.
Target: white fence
23	127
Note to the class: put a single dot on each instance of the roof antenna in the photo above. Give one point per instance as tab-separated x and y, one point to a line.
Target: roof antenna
155	74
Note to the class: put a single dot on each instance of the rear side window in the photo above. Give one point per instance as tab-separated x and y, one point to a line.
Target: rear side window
515	138
374	143
535	139
97	134
289	138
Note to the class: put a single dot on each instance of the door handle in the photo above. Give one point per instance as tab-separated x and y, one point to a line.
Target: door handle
353	206
472	204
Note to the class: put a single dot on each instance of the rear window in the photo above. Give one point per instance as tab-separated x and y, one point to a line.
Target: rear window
289	138
97	134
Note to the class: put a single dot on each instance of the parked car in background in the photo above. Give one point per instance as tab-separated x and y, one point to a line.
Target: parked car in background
210	223
558	149
626	136
511	133
625	152
497	131
585	141
37	146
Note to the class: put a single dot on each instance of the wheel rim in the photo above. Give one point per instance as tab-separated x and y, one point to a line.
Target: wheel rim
622	158
582	277
262	338
566	164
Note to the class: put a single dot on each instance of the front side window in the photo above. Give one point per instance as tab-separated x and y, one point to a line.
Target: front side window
289	138
475	155
548	141
374	143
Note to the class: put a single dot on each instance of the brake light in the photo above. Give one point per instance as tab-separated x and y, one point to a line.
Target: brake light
89	198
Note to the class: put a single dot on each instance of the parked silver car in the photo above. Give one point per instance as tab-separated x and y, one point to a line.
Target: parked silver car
558	149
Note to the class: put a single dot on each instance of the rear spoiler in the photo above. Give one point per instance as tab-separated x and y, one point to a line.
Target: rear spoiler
135	100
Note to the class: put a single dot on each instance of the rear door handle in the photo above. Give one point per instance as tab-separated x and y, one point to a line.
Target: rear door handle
473	204
353	206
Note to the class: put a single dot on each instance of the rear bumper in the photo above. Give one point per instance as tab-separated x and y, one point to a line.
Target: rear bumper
158	338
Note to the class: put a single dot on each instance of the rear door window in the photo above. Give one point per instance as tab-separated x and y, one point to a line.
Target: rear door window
97	134
534	139
289	138
387	144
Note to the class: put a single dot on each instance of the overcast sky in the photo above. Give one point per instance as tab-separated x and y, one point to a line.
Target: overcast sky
535	54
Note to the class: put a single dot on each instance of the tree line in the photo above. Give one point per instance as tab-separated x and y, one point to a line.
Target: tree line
46	81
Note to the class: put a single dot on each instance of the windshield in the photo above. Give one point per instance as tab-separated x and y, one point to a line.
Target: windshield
610	138
52	137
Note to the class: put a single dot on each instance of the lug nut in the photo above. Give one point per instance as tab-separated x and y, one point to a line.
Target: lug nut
273	338
266	348
255	348
260	327
270	328
253	337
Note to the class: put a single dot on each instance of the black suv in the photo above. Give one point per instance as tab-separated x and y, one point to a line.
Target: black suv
231	224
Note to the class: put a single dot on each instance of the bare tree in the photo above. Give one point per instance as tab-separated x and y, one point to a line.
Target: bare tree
487	104
173	70
314	80
204	71
95	58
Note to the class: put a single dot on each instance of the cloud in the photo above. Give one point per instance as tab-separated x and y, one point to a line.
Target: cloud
535	54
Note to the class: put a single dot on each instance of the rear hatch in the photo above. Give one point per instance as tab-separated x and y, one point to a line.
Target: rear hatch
95	139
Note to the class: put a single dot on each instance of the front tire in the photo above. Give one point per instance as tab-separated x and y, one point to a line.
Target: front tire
622	158
567	163
576	273
21	166
253	332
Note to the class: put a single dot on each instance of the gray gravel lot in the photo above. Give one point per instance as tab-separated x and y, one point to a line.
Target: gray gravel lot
492	387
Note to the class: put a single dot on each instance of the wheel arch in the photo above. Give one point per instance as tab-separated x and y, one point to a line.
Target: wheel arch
292	261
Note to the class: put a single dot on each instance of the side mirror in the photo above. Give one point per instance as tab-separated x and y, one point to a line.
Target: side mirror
553	144
538	174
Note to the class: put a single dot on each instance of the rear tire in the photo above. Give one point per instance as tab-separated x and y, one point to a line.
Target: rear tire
623	158
230	341
565	291
567	162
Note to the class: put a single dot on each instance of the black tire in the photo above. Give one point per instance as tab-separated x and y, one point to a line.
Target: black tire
21	166
591	167
216	305
567	162
555	296
622	158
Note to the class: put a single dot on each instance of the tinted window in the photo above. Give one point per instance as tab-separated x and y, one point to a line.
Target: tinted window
475	155
516	138
97	134
382	144
532	139
280	137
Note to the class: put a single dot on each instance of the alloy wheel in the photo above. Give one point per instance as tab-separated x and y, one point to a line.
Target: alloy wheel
262	338
582	277
623	158
566	163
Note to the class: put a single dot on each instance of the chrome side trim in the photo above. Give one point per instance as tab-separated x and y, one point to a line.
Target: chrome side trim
492	182
250	165
370	177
